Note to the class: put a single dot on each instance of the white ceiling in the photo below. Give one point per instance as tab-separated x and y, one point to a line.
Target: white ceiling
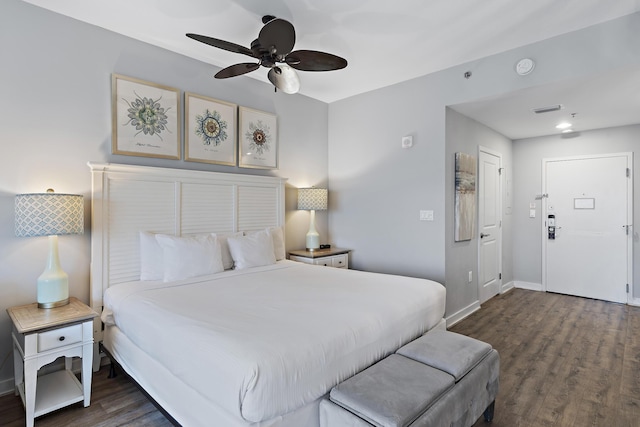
608	100
385	42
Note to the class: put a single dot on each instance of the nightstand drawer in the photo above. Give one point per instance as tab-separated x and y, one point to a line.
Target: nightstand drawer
59	337
339	261
337	258
323	261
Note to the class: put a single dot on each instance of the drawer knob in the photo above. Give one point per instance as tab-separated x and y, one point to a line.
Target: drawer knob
61	338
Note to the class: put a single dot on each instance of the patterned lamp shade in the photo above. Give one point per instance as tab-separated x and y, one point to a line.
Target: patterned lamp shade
311	199
49	214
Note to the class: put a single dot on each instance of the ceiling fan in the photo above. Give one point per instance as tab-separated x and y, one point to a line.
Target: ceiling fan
273	49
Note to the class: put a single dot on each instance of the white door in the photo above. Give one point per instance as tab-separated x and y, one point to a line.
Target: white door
490	227
589	198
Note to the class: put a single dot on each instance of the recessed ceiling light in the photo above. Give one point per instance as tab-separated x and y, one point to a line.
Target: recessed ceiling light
563	125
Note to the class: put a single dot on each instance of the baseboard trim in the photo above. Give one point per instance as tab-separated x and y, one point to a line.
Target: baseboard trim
7	387
462	314
507	287
634	302
528	285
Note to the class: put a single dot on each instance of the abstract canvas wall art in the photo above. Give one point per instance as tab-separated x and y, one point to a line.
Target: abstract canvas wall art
465	197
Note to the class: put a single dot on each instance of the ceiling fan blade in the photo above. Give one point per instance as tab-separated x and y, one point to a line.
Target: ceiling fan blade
312	60
284	78
236	70
278	34
222	44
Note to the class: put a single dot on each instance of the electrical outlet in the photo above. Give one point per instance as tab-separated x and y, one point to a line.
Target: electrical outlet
470	276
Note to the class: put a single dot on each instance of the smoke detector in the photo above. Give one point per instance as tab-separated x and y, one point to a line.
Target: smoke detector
525	66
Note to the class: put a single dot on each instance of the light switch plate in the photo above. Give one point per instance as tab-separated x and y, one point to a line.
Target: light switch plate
426	215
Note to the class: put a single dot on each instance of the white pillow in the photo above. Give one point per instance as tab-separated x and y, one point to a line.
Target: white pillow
277	235
227	260
253	250
185	257
151	264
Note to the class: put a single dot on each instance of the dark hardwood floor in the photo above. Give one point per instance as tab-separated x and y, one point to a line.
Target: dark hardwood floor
565	361
114	402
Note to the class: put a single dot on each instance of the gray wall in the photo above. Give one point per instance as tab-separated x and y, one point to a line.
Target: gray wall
55	117
466	135
527	158
377	188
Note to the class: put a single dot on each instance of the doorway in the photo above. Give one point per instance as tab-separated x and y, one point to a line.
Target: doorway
489	224
587	236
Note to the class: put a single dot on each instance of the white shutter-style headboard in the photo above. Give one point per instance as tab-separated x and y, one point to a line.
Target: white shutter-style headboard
128	199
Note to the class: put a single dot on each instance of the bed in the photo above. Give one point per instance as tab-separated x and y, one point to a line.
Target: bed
258	345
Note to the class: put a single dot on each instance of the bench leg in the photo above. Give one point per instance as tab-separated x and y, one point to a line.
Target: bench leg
488	413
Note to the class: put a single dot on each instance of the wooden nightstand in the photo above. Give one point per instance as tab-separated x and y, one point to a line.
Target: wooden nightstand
40	336
332	257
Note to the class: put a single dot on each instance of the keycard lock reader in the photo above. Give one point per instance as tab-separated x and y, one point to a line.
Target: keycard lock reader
551	227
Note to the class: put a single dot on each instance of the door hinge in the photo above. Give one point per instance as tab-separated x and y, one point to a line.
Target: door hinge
628	172
627	288
500	171
499	276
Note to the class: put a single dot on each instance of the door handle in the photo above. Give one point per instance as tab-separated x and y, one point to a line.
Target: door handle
484	235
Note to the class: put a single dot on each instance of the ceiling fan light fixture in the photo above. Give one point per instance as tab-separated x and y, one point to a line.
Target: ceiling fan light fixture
284	78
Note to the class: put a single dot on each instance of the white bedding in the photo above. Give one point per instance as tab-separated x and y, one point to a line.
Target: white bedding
265	341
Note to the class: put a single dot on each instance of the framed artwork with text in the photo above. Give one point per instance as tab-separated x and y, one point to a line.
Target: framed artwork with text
258	139
145	118
209	130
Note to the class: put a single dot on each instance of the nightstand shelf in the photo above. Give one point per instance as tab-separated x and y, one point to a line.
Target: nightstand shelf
332	257
55	390
40	336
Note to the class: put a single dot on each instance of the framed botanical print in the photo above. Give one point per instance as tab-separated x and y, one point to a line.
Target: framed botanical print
145	118
210	130
258	139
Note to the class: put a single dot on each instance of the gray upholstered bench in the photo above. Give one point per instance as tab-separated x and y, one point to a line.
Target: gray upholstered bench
440	379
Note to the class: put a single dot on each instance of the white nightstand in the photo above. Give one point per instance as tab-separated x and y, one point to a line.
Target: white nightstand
332	257
40	336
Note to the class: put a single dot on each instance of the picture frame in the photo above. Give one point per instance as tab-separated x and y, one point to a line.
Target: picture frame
257	139
210	130
465	197
145	118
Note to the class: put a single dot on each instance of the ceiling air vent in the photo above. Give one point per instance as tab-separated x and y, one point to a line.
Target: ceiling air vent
549	109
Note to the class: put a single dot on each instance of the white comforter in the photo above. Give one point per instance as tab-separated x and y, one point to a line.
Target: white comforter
265	341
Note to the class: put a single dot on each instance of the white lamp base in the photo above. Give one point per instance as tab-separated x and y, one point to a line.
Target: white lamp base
53	283
313	238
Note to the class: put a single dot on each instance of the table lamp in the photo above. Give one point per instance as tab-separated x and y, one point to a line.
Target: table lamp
312	199
50	214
